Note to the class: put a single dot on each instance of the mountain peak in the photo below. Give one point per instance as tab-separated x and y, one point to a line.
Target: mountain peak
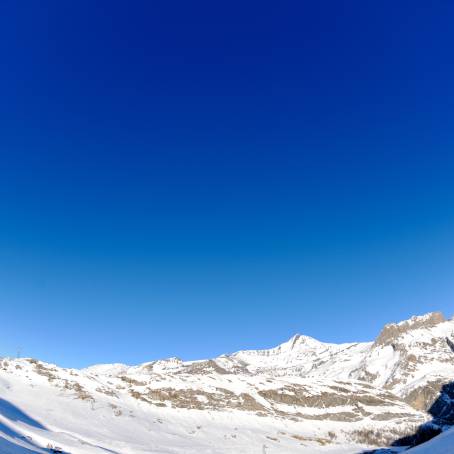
299	340
393	330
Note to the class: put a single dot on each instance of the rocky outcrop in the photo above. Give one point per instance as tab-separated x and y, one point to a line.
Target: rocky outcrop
392	331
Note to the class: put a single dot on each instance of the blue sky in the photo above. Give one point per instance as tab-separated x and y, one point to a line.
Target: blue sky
192	178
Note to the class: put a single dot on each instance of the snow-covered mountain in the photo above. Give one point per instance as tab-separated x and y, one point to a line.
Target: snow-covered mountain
303	396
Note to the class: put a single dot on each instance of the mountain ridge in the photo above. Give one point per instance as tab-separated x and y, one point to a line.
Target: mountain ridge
303	395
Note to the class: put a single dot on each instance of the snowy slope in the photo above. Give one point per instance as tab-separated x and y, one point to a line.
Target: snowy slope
303	396
441	444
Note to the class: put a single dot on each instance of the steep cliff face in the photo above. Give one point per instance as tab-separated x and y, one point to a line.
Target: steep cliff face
413	359
302	396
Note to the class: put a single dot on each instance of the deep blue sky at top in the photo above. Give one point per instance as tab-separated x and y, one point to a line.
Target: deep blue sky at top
190	178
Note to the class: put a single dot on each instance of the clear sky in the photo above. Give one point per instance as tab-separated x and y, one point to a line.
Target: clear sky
192	178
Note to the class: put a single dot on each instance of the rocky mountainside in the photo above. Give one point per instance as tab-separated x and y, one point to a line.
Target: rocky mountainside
302	396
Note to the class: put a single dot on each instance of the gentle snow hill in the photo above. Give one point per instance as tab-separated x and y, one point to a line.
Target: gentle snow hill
303	396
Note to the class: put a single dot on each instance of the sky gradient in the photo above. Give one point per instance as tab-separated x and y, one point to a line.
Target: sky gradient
193	178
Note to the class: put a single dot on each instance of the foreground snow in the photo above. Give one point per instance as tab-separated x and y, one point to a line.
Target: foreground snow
142	429
127	425
441	444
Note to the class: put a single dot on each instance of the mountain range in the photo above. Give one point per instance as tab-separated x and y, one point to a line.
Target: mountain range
303	396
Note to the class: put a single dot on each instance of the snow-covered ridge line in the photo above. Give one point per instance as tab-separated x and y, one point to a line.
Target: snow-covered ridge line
300	342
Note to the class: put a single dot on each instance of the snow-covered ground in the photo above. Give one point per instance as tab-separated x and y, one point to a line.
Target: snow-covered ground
303	396
441	444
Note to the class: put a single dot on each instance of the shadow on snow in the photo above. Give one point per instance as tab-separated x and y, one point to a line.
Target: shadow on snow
442	412
20	444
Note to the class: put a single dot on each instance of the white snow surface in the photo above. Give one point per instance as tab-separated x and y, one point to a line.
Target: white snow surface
304	396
